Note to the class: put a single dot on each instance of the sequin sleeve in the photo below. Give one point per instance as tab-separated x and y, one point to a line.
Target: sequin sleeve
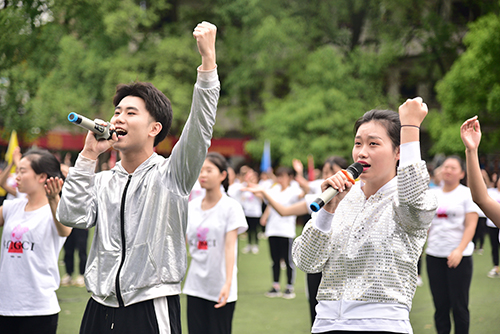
311	250
416	204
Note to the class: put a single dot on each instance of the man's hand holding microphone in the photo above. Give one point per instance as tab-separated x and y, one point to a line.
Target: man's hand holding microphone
100	138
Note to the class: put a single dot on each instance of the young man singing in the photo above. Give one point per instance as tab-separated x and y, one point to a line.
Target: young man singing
139	208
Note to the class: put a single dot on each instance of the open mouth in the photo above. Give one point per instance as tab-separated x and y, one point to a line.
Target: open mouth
121	132
365	165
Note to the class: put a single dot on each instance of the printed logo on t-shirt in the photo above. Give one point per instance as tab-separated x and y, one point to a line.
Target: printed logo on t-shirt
201	234
16	245
441	212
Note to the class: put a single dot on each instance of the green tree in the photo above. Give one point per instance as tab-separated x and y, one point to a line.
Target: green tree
472	87
318	115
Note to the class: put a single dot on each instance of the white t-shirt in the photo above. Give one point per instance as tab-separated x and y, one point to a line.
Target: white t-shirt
29	273
206	235
495	194
197	191
266	184
278	226
252	205
315	186
447	228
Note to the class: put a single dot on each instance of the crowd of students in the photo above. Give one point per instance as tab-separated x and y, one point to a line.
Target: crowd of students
360	252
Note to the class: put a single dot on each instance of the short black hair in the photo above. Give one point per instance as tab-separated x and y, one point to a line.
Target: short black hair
157	104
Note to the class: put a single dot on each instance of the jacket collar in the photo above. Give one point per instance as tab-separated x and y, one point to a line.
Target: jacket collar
152	160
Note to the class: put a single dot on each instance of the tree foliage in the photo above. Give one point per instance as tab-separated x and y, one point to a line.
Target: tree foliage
295	72
472	87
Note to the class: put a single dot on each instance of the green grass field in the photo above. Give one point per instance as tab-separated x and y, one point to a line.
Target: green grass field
256	313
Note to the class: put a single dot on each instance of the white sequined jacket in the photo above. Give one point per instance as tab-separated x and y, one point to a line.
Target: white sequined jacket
370	254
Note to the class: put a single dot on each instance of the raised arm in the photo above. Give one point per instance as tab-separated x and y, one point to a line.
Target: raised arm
296	209
416	204
53	188
299	169
16	156
189	153
470	132
205	33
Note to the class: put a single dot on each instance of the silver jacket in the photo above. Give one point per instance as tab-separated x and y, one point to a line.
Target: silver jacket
140	219
371	253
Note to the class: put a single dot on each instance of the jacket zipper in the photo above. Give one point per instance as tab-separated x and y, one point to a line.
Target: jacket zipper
122	229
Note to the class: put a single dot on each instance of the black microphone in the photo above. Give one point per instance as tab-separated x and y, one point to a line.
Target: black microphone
352	172
101	131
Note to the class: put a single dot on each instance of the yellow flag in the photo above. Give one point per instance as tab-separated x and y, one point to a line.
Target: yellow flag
13	143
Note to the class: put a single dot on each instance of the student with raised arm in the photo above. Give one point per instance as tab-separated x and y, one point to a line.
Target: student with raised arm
5	177
367	240
139	208
470	131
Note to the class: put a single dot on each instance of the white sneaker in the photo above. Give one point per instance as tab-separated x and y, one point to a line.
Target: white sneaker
255	249
289	294
79	281
493	273
419	281
273	293
66	280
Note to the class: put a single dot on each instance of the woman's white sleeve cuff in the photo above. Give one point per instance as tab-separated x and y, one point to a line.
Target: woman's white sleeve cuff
409	153
323	221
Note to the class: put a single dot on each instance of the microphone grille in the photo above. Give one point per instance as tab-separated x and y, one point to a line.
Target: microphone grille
355	169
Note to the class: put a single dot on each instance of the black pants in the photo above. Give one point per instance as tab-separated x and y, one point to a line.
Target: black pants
253	223
44	324
136	318
313	281
493	233
450	292
204	318
76	240
478	238
281	248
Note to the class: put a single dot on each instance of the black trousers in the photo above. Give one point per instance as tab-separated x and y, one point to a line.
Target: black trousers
253	223
136	318
493	233
76	240
450	292
313	281
478	238
44	324
281	248
204	318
